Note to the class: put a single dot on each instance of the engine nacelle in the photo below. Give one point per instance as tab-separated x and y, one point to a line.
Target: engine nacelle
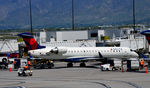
59	50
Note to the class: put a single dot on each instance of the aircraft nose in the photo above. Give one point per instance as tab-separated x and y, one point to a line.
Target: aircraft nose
29	53
135	54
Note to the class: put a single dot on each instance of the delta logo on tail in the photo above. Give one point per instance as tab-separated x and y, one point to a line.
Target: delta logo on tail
147	35
30	42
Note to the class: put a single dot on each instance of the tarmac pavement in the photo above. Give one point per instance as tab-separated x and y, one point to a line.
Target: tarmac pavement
76	77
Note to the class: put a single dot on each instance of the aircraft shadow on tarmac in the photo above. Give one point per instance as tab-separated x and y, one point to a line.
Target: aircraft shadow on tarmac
63	67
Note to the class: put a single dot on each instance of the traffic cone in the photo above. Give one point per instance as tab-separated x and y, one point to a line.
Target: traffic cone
146	70
9	69
122	69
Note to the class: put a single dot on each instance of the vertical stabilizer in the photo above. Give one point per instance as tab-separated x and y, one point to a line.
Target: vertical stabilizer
147	35
30	42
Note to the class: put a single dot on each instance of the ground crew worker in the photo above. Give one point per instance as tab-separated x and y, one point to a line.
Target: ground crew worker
29	64
142	63
14	62
25	68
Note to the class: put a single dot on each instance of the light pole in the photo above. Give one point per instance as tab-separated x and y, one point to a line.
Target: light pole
133	15
31	29
72	14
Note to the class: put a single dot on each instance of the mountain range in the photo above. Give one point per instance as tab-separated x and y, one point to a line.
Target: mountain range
15	14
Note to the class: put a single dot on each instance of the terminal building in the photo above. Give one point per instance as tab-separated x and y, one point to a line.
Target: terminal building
70	38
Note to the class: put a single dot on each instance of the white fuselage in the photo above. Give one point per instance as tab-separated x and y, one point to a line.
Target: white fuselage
83	53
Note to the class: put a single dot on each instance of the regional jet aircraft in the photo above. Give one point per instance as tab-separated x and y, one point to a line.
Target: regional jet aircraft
75	54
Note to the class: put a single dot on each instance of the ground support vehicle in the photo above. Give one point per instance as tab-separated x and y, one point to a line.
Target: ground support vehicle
22	72
108	67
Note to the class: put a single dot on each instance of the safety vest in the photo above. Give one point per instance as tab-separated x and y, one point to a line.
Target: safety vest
14	62
25	67
29	63
142	62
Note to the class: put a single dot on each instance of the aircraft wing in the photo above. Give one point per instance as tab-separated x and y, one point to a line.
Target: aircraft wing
36	58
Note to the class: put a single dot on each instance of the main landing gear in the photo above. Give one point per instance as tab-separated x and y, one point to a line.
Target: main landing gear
82	64
70	64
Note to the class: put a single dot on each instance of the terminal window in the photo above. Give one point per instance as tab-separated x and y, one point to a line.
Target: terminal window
94	34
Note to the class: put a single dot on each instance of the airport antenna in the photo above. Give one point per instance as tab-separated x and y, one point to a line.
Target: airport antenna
72	14
31	29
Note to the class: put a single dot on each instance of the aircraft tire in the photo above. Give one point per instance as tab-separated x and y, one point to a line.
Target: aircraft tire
107	69
4	60
82	64
69	65
51	65
19	74
30	74
113	69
